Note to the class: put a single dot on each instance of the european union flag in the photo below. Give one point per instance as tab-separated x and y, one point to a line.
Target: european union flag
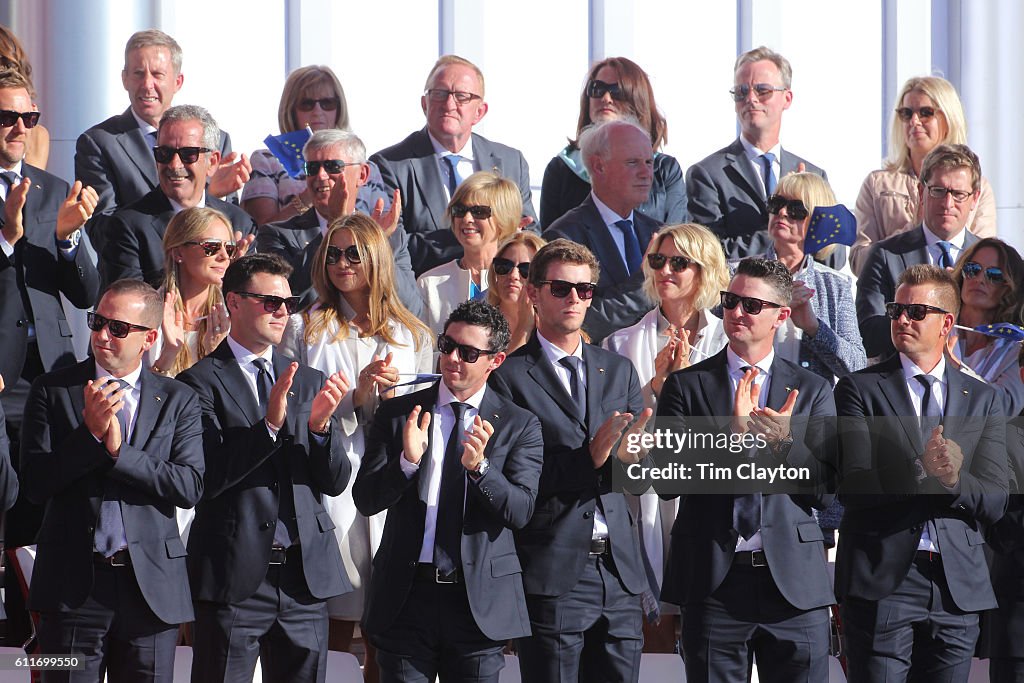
288	150
830	225
1002	330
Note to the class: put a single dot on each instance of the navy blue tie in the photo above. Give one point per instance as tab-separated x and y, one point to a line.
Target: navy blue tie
746	508
109	536
634	255
946	257
451	499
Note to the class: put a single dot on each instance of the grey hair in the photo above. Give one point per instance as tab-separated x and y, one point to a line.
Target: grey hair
593	141
154	38
192	112
329	138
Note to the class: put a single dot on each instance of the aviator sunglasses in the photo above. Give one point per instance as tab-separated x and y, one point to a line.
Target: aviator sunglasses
212	247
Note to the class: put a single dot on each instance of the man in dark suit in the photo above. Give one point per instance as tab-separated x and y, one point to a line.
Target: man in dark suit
263	559
949	189
111	449
924	469
748	570
335	193
429	164
457	467
116	155
729	190
580	552
133	237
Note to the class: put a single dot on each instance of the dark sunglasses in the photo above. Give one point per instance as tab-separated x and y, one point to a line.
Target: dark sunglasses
596	89
118	328
923	113
795	208
915	312
560	288
973	270
480	212
330	165
677	263
213	247
272	303
188	155
504	266
751	305
351	254
326	103
762	90
10	118
468	354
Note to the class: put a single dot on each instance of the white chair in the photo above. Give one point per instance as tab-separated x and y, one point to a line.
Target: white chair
182	664
979	671
659	667
835	671
343	667
511	673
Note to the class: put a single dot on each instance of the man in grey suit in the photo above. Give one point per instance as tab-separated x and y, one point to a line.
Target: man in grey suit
950	186
336	169
728	191
116	155
429	164
924	471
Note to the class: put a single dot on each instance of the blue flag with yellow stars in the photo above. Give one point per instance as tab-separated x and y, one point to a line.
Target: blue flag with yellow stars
1002	330
288	150
830	225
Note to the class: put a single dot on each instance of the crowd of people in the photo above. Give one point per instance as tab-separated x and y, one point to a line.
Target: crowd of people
383	391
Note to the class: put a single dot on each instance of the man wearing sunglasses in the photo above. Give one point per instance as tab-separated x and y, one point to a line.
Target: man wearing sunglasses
581	556
728	190
111	449
456	466
186	158
263	558
924	470
115	156
950	187
748	571
336	175
429	164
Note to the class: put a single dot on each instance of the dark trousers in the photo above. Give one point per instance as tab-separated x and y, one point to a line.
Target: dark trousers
435	635
1006	670
745	616
115	630
917	633
281	623
592	633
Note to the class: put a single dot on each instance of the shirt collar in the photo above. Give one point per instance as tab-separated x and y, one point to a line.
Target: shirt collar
144	126
910	369
18	170
322	222
178	208
931	239
607	215
245	356
754	153
554	353
445	396
735	363
441	151
132	378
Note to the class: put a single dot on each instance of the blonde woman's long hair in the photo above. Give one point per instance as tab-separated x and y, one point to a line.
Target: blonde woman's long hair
377	261
190	225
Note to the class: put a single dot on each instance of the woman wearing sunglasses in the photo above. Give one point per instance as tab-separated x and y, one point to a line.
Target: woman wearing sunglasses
927	113
506	284
312	97
359	328
484	210
989	273
615	87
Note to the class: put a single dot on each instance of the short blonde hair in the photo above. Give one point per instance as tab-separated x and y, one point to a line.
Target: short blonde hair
946	100
701	245
499	193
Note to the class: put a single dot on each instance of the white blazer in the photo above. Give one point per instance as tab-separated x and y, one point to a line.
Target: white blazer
443	289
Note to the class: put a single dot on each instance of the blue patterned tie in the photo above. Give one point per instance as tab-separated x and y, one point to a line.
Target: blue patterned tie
634	255
946	258
768	173
109	536
454	179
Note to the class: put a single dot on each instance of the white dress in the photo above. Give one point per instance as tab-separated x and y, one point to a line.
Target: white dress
358	537
443	289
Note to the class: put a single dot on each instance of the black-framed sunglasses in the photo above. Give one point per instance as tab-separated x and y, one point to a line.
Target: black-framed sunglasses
795	208
332	166
118	328
468	354
10	118
326	103
479	211
442	95
188	155
751	304
272	303
597	89
212	247
915	312
351	254
560	288
972	270
762	90
923	113
677	263
504	266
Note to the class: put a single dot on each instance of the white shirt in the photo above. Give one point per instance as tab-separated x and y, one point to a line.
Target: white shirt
931	241
251	371
443	428
178	208
610	218
146	127
466	166
754	159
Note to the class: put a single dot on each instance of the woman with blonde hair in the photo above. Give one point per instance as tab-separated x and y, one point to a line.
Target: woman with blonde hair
506	284
927	113
358	327
485	210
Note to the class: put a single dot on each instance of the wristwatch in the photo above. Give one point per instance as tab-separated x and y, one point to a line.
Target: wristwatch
72	241
481	468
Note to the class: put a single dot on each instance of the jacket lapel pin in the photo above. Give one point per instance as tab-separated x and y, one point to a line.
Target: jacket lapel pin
600	369
156	398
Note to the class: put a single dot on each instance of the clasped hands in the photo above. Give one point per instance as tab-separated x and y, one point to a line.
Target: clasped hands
772	425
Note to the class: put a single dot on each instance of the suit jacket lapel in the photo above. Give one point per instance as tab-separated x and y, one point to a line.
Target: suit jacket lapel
894	387
137	147
783	381
604	245
428	178
716	387
742	166
958	402
230	374
595	389
543	374
76	392
150	406
486	159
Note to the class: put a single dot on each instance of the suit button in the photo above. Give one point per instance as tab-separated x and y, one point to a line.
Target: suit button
413	564
20	323
266	525
273	487
587	515
90	529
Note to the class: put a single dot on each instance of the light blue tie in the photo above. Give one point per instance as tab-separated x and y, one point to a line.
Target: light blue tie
454	179
768	173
